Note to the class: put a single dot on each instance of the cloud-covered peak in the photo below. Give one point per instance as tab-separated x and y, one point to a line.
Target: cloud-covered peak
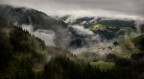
101	7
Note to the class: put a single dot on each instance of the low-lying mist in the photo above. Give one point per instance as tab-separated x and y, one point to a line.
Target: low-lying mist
47	35
90	42
78	38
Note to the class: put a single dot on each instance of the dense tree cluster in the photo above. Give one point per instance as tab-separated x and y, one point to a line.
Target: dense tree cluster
18	56
16	52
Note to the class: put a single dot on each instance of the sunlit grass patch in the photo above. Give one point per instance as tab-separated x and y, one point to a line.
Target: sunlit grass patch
104	66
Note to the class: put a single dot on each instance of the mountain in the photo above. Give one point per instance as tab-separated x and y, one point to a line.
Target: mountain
21	16
107	28
70	31
17	47
25	56
53	32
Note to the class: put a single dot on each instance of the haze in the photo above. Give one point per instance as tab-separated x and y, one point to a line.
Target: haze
120	8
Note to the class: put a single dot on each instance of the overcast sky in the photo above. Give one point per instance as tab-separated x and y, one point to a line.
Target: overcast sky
129	7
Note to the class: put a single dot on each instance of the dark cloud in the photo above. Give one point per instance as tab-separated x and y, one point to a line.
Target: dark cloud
128	6
124	6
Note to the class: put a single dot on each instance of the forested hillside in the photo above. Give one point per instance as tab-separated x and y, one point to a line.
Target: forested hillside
25	56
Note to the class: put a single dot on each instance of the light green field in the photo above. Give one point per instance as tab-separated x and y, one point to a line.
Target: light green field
104	66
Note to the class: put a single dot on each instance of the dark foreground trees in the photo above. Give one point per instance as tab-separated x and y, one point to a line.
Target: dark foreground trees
62	67
18	57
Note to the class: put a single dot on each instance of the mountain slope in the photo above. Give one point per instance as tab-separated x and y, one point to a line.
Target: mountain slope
107	28
38	20
23	55
17	57
70	32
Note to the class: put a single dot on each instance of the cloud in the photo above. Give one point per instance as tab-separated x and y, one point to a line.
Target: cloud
81	30
47	35
134	7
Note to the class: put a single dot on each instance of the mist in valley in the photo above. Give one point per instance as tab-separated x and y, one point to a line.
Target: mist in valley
76	39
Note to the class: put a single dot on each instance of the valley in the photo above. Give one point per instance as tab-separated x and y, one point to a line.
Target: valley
35	45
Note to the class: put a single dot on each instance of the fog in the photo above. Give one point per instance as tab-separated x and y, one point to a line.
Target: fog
122	8
47	35
81	30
